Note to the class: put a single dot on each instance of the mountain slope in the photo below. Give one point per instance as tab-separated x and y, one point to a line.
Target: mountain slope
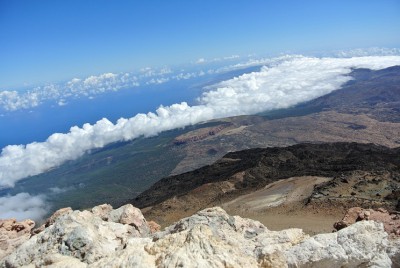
376	93
344	165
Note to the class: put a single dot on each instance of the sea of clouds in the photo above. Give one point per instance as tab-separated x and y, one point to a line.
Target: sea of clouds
281	83
91	86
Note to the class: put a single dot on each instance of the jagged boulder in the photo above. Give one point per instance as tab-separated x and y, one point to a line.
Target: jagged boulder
210	238
130	215
363	244
216	239
79	236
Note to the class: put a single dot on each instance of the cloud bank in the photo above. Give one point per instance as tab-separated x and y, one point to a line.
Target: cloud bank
88	87
358	52
23	206
75	88
282	83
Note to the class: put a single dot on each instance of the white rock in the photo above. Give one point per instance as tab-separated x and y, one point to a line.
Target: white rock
81	235
210	238
128	214
103	211
363	243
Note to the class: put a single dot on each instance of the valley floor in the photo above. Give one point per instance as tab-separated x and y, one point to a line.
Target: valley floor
312	222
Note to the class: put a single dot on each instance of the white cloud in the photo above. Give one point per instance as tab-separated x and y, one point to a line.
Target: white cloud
201	60
231	57
362	52
74	81
157	81
287	81
284	82
255	62
23	206
94	85
58	190
227	58
12	100
62	102
75	88
87	87
185	76
359	52
103	79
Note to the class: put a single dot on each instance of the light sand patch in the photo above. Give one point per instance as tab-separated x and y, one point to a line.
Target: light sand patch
311	222
278	193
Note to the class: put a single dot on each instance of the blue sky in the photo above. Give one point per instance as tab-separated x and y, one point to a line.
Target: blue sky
50	41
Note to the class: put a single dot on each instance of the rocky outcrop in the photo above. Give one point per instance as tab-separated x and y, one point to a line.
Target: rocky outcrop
390	220
363	244
13	234
210	238
80	237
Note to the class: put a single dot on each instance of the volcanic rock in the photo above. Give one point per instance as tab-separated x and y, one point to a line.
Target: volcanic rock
390	220
52	219
345	175
210	238
82	236
154	227
13	234
103	211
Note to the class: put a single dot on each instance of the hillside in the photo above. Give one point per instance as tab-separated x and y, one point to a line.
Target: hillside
310	177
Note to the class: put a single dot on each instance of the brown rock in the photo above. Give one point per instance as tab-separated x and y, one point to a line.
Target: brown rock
154	227
13	234
349	218
390	220
130	215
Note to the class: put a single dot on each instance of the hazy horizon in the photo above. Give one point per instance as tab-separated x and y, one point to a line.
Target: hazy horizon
52	41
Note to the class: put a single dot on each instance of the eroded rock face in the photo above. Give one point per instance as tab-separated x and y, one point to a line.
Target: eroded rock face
210	238
13	234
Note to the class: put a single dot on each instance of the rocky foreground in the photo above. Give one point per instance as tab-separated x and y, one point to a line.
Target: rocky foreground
106	237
